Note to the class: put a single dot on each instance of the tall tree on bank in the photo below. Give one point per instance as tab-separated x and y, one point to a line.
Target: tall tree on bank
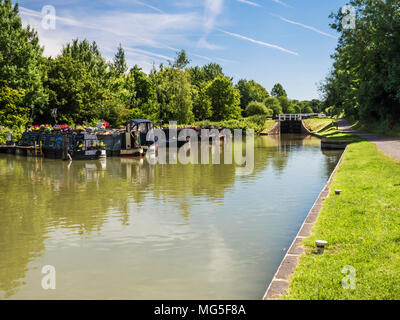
365	79
21	62
225	99
181	60
200	77
73	91
251	91
278	91
119	65
90	55
174	95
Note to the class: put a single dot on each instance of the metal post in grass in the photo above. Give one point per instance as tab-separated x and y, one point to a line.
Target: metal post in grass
338	192
320	244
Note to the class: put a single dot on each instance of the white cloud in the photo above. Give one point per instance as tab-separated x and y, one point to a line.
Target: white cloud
203	43
148	53
281	3
307	27
212	10
262	43
108	29
249	3
148	6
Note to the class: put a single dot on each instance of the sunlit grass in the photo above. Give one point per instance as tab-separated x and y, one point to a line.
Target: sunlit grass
362	226
328	129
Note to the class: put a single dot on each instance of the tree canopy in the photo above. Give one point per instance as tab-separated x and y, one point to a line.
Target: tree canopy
278	91
21	60
364	82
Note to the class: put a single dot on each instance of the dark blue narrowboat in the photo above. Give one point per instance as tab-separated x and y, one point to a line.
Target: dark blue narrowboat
77	146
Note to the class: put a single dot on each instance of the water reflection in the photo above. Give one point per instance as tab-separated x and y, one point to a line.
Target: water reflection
180	226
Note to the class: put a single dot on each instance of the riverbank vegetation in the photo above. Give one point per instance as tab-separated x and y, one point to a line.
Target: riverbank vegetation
85	87
362	229
364	83
328	128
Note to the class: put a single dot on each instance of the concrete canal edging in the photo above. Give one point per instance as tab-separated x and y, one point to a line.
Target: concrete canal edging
281	280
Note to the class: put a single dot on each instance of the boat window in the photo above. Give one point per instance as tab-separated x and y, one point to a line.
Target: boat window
52	142
142	127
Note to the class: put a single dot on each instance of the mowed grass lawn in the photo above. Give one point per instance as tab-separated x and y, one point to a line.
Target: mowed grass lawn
362	226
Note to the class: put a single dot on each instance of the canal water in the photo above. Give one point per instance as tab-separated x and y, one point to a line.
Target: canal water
125	229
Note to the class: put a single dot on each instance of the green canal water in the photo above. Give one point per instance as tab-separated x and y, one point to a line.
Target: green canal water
125	229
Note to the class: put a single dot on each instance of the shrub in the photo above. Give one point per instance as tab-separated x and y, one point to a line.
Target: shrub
257	108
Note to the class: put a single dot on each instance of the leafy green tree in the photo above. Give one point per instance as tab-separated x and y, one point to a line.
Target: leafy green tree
257	108
90	55
174	95
119	66
211	71
12	111
73	91
297	108
278	91
274	105
181	60
365	79
286	105
307	109
225	99
202	108
202	75
251	91
21	62
145	94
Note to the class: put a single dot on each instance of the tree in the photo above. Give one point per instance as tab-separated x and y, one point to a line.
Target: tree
89	55
12	112
364	82
307	109
278	91
202	75
257	108
73	91
21	61
251	91
145	94
211	71
225	99
274	105
119	65
202	108
181	60
174	95
286	105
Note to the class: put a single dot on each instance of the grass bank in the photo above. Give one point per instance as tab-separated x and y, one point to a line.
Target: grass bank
377	127
328	129
362	226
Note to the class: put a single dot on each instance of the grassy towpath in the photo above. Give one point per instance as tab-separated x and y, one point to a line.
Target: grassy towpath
362	226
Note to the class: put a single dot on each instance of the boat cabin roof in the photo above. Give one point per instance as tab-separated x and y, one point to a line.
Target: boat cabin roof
138	121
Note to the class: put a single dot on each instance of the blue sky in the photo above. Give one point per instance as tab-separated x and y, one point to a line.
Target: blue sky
269	41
